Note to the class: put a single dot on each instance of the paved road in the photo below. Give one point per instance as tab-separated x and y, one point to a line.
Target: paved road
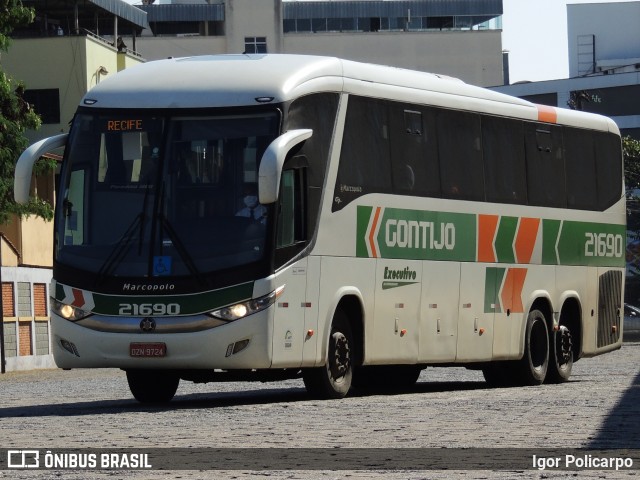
449	407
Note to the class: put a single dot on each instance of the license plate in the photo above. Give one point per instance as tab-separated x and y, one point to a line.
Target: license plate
147	349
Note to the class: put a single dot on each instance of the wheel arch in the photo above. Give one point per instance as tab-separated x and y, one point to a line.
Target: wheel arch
350	301
571	317
540	300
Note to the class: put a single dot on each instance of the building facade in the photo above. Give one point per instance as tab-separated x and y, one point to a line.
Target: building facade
460	38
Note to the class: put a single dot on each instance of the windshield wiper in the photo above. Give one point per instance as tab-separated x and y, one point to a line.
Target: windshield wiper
122	245
120	250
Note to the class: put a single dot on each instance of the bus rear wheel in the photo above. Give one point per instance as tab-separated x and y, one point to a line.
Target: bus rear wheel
560	356
535	362
333	380
153	386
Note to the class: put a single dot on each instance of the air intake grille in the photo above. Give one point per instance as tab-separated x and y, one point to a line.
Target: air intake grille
609	307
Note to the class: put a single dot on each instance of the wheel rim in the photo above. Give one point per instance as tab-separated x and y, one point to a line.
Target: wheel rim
340	361
563	346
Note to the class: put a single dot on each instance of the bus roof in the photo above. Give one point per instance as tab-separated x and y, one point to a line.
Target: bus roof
246	80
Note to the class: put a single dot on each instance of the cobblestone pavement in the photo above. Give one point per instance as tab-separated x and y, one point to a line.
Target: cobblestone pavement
448	408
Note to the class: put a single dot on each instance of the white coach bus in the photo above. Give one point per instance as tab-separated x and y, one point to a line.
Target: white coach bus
274	216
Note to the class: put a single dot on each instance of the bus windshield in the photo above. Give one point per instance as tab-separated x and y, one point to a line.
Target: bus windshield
148	196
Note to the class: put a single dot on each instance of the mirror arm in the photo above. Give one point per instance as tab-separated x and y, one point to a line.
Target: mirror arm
273	161
24	165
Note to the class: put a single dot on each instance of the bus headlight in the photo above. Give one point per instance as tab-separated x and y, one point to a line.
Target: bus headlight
68	312
241	310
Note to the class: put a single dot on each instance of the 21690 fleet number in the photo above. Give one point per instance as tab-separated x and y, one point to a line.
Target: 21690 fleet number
145	309
603	245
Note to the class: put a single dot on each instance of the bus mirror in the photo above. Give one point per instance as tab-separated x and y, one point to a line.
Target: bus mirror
272	162
24	166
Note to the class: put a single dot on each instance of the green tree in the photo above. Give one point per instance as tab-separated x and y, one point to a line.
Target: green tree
631	153
16	116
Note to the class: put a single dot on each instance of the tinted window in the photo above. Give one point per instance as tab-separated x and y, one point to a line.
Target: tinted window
364	159
580	168
46	103
317	112
459	148
504	162
414	151
609	168
545	165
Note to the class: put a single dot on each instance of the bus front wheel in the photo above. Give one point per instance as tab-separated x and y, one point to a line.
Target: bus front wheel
152	386
333	380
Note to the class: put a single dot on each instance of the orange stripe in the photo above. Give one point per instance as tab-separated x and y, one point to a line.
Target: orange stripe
78	298
372	233
526	239
511	294
547	114
487	225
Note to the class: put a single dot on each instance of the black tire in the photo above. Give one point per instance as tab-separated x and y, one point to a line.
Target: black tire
532	369
152	386
387	378
333	380
560	356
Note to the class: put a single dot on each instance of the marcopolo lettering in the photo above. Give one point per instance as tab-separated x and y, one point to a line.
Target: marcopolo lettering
143	287
420	234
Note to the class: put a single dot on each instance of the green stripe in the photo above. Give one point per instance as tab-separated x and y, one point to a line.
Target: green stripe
550	230
504	239
429	235
594	244
492	282
190	304
363	218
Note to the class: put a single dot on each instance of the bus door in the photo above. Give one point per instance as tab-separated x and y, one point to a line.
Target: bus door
397	308
295	321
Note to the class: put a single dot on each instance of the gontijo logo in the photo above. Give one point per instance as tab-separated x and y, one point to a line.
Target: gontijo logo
415	234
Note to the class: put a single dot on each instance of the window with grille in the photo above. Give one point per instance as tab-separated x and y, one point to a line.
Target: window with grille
255	44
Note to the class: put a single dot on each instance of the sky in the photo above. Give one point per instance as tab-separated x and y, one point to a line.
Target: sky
535	34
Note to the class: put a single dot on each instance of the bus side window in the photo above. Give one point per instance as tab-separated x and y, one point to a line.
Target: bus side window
460	154
505	176
291	233
414	154
580	168
545	165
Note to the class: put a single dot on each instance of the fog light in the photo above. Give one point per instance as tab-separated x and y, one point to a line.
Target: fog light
236	347
69	347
